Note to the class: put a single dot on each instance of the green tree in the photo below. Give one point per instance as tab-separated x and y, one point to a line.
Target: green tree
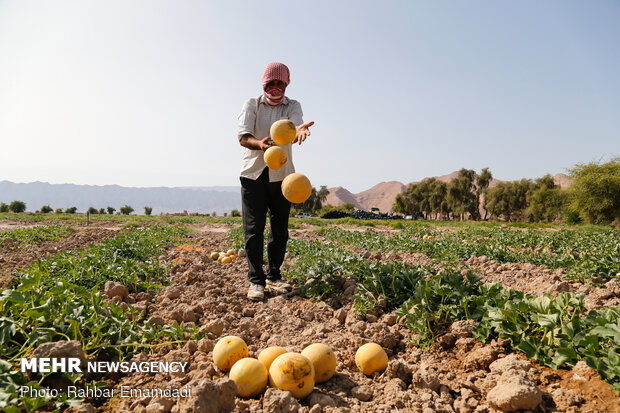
407	202
102	211
147	210
46	209
437	198
58	211
596	191
314	201
509	199
482	185
93	210
71	210
4	207
460	195
126	210
17	206
546	204
235	213
111	210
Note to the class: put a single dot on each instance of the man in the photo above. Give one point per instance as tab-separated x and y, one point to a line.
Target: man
260	186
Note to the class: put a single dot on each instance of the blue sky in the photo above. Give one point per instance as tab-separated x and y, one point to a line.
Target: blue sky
146	93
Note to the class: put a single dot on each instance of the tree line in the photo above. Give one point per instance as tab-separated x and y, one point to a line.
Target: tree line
594	197
20	206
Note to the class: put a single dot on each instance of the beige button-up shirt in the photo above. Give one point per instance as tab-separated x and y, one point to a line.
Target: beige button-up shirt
256	118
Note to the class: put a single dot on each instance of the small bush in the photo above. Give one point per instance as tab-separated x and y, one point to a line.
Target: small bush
572	217
147	210
17	206
126	210
45	209
71	210
111	210
93	210
4	207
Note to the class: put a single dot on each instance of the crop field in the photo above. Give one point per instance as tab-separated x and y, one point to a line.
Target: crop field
474	317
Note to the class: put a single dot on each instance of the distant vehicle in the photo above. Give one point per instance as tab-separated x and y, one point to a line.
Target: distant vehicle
408	216
375	210
305	215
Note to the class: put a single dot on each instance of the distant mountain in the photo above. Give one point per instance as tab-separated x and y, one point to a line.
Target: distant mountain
203	200
383	195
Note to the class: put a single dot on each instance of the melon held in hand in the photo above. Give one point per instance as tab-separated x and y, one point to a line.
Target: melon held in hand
275	158
296	188
283	131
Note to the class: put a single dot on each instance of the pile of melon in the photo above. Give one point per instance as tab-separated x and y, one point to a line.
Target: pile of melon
288	371
228	256
296	187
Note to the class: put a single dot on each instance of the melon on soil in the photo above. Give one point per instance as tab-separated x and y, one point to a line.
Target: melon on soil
274	157
292	372
227	351
296	188
323	359
250	376
268	355
283	131
371	358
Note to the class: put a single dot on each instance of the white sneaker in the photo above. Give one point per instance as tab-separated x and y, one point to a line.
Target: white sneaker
279	286
256	292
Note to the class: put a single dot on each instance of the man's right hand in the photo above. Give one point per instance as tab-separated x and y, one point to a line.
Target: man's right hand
265	143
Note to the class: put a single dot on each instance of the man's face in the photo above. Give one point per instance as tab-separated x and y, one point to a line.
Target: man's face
275	83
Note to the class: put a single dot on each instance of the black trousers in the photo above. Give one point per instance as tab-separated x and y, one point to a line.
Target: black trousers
257	197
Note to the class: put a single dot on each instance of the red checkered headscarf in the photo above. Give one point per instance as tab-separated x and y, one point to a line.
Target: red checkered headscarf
276	71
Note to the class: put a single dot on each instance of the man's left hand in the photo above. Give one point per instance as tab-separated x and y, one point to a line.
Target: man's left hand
302	132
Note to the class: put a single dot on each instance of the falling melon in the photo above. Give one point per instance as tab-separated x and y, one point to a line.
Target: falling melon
283	131
275	158
296	188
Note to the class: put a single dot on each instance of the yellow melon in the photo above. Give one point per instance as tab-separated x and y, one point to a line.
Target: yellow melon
371	358
268	355
227	351
323	359
250	376
292	372
230	252
274	157
226	260
296	188
214	255
283	131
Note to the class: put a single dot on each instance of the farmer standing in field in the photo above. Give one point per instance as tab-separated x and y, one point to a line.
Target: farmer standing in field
260	185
